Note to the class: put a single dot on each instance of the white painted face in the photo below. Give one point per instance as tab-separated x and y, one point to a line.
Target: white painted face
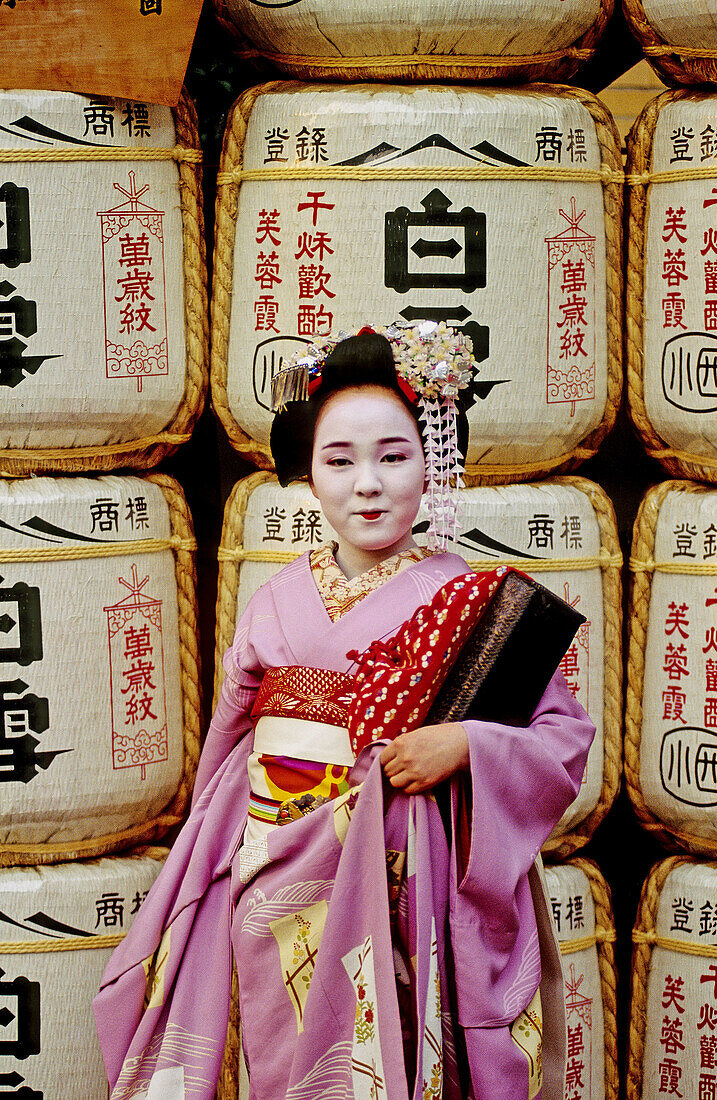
368	473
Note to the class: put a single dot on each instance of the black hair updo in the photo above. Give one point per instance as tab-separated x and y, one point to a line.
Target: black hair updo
362	360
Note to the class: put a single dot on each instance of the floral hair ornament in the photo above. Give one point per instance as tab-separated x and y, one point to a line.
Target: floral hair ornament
433	363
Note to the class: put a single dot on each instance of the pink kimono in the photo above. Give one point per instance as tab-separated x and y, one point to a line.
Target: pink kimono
323	936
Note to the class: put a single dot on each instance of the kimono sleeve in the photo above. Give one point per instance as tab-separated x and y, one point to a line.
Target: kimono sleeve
523	780
244	663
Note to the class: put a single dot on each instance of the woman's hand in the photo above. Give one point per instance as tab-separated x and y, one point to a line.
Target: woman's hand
418	760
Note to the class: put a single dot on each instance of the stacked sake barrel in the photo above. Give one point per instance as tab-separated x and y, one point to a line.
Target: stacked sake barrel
59	926
582	912
103	364
673	982
485	40
678	37
496	211
669	760
103	346
671	292
671	323
99	739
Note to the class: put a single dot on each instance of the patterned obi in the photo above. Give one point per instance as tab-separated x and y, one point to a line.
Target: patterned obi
301	741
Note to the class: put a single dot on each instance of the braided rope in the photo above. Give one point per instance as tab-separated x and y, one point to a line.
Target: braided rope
605	925
643	545
610	174
641	957
685	64
147	451
223	274
185	572
671	175
230	567
52	457
388	61
106	550
372	173
688	569
550	65
584	943
562	846
179	153
534	565
682	947
229	1075
72	943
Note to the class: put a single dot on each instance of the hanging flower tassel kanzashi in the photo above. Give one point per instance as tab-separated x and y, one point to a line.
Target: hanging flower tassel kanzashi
444	471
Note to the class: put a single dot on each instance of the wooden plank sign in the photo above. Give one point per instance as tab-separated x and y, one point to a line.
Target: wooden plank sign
101	47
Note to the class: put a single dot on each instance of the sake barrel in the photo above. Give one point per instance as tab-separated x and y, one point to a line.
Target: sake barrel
671	709
487	40
99	683
678	37
562	532
672	282
58	927
674	1006
495	211
103	349
582	913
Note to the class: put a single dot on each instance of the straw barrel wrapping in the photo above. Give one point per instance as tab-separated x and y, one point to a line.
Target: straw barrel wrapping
679	37
99	697
487	40
562	532
672	282
582	911
103	359
58	927
498	212
674	996
671	709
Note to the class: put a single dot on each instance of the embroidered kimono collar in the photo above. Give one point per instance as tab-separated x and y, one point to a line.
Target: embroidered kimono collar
340	594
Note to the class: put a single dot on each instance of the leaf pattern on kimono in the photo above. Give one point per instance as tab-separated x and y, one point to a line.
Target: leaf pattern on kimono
286	900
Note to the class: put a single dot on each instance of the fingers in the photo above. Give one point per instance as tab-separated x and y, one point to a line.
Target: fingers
389	753
409	784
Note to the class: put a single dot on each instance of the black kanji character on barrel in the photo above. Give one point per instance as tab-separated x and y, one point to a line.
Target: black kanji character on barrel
15	246
24	1023
18	320
20	720
20	624
461	256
